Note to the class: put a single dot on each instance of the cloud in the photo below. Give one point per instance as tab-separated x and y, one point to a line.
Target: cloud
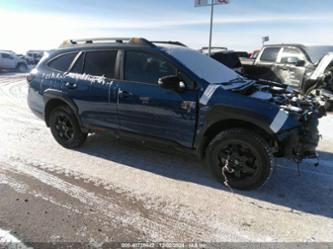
48	30
116	22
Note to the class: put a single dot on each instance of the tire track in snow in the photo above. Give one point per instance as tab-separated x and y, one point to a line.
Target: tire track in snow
165	228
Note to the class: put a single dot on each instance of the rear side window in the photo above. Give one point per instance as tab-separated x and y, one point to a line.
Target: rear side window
101	63
270	54
7	56
146	68
63	62
78	66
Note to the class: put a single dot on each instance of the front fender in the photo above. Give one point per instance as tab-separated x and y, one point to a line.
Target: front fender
227	106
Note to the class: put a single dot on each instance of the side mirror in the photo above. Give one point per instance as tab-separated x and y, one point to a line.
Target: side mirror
300	63
172	82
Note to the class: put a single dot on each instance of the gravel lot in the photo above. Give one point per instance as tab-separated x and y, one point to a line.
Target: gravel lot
111	190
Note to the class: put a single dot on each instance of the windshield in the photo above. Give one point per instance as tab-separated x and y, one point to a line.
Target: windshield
318	52
202	65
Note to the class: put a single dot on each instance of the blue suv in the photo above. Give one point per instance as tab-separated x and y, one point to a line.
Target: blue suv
166	92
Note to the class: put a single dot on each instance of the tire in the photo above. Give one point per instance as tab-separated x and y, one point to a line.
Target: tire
65	128
240	159
22	68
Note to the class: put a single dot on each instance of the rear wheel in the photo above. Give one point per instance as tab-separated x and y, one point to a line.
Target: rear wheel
240	159
65	128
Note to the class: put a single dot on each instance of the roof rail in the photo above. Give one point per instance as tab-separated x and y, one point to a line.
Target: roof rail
170	42
74	42
134	40
221	48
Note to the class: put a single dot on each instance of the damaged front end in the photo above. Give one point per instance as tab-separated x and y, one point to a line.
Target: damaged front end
297	137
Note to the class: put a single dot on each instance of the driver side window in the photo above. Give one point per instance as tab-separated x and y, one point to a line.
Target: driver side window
146	68
291	55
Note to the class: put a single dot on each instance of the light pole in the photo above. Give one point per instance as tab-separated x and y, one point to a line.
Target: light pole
211	29
211	3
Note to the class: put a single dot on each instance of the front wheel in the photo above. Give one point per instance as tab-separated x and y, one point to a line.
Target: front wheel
240	159
65	128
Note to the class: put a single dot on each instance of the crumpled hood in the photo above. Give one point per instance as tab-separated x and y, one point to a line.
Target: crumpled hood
326	61
286	98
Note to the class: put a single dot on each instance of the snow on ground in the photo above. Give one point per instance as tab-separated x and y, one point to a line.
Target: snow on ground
111	190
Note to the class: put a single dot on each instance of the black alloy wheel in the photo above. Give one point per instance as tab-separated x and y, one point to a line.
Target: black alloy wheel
240	159
65	128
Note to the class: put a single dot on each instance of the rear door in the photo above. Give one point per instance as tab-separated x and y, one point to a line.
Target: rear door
90	84
58	68
147	109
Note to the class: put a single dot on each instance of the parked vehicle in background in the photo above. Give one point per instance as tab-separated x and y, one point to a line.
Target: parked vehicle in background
254	54
290	64
287	63
230	59
173	95
28	59
242	54
10	61
36	55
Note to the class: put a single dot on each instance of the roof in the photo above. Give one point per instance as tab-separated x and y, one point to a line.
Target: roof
6	51
285	45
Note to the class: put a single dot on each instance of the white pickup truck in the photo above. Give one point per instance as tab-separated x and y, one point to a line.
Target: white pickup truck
10	61
306	68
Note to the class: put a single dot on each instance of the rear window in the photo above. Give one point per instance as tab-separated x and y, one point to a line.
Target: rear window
101	63
270	54
63	62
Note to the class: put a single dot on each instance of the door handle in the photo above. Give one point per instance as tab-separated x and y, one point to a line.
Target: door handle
124	94
70	85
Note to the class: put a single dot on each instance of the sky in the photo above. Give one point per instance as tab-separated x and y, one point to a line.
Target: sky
44	24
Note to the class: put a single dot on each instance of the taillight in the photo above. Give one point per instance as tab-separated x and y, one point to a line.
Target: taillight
32	75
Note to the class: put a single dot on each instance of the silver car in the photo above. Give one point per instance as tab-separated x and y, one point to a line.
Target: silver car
10	61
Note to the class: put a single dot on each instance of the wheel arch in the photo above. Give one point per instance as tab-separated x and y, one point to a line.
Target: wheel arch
53	99
219	126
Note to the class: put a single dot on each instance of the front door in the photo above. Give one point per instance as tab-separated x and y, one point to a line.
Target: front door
147	109
292	72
